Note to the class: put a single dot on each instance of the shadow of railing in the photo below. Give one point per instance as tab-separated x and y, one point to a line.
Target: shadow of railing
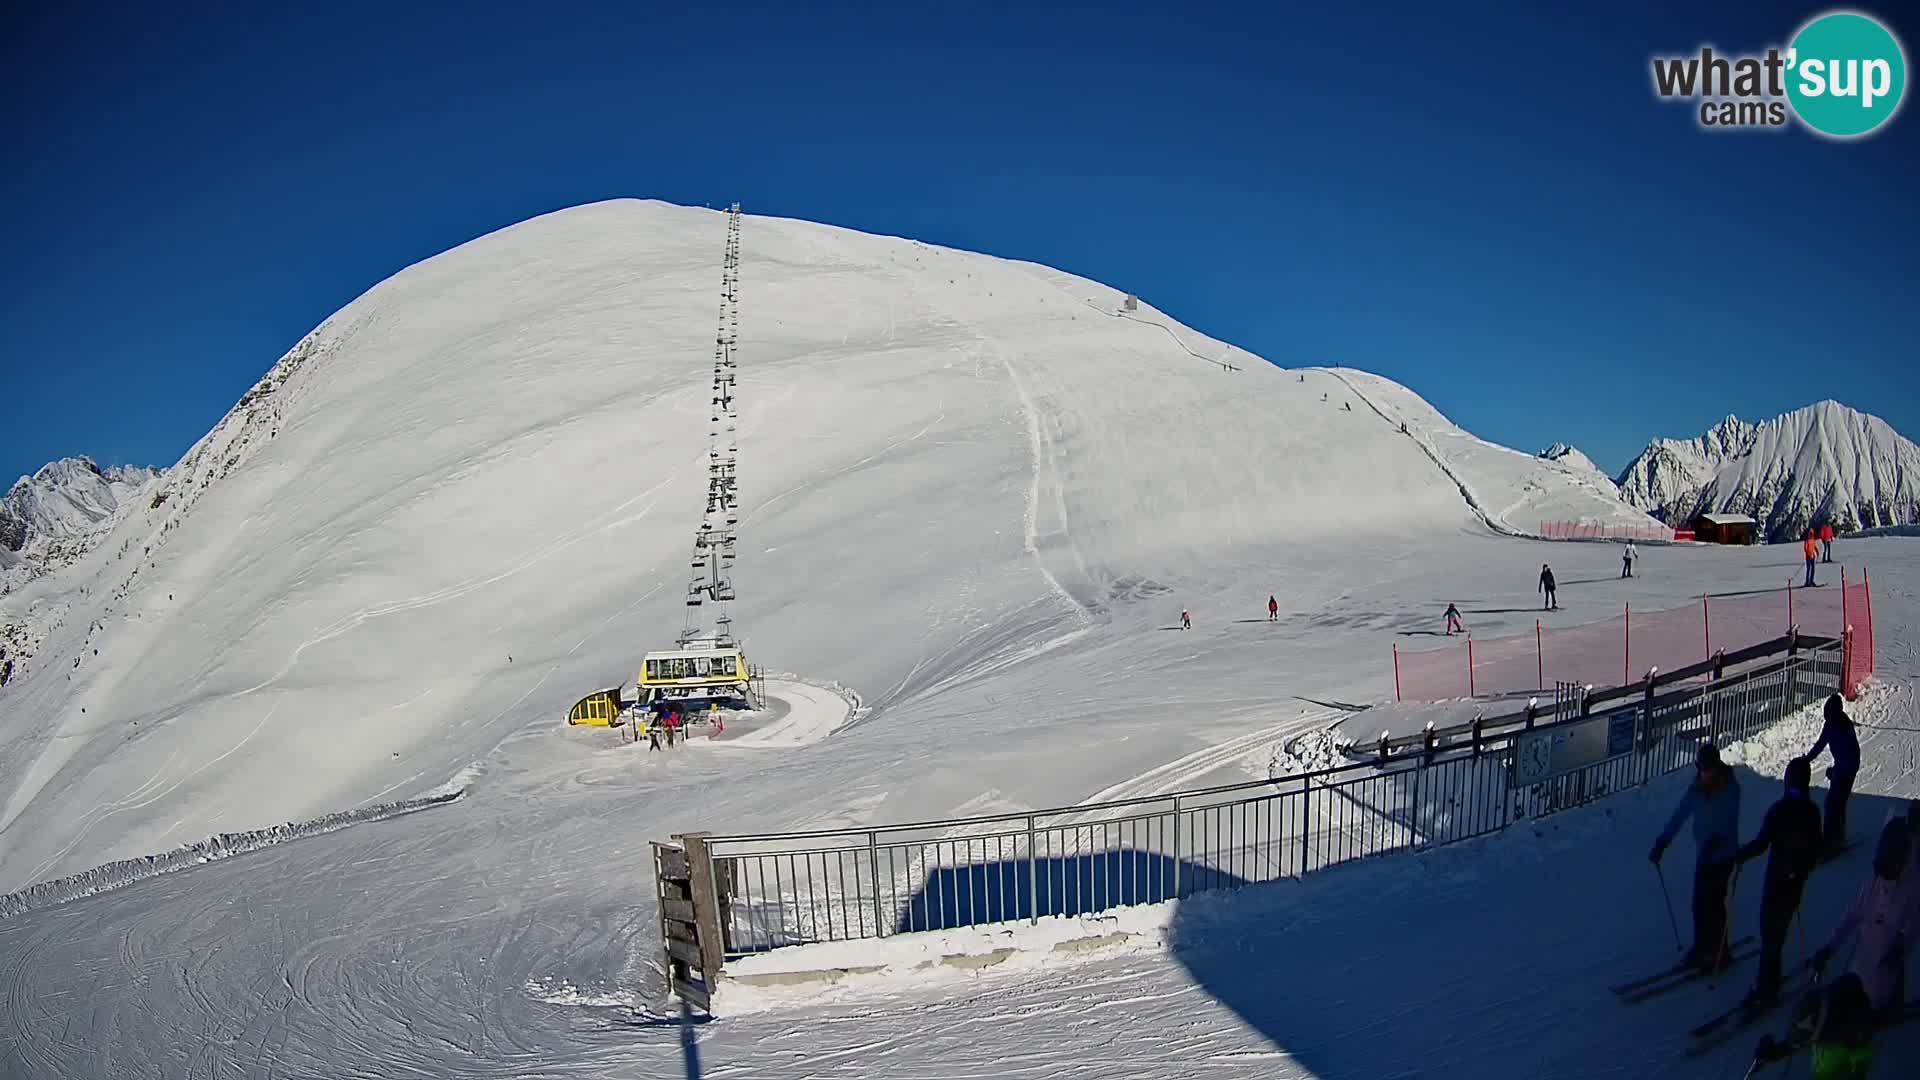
1014	889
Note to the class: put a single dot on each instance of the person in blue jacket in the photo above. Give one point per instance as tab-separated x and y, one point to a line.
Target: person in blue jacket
1838	733
1713	802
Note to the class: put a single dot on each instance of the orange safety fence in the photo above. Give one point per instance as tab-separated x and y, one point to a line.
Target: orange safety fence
1588	530
1621	650
1858	666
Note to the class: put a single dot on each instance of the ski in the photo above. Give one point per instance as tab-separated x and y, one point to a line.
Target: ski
1716	1031
1662	988
1688	977
1626	988
1715	1023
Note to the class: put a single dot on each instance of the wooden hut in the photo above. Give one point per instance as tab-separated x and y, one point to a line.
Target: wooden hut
1725	528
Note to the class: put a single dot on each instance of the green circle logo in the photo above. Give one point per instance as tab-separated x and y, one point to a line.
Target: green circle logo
1846	74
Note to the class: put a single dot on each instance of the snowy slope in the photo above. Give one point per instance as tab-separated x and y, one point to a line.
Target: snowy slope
510	933
1825	462
1512	491
951	462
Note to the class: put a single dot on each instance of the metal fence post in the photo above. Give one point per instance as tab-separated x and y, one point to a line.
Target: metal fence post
1413	815
873	867
1033	876
1306	820
1176	848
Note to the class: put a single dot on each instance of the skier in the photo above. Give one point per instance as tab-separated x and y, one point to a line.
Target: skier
1838	733
1882	913
1186	620
1792	830
653	735
1546	586
1713	801
1826	542
1626	560
1273	610
1347	405
1837	1020
1808	548
1453	620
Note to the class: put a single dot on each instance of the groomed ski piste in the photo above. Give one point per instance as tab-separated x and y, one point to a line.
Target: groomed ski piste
974	506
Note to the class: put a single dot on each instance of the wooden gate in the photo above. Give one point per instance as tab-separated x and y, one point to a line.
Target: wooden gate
691	898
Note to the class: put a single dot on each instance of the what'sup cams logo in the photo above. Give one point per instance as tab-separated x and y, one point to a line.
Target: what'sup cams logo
1843	76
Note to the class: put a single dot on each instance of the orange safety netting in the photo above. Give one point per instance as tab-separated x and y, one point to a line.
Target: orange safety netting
1621	650
1588	530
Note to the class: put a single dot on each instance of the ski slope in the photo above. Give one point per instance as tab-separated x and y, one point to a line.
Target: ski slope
508	934
976	498
951	463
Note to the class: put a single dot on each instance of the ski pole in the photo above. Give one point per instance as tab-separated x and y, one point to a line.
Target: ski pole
1668	897
1733	890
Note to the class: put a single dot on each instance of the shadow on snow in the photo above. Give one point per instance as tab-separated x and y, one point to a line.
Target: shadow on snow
1067	885
1492	957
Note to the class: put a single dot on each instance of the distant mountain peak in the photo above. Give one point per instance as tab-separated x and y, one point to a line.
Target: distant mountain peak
1825	462
65	499
1569	456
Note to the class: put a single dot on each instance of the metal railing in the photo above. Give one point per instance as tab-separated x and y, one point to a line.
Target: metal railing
834	885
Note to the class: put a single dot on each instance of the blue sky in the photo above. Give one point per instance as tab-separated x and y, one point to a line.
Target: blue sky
1485	203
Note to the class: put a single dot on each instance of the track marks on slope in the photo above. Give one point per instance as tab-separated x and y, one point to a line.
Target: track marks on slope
1185	771
1222	364
1047	526
1433	454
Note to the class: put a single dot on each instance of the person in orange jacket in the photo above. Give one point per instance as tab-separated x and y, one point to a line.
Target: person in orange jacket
1826	542
1811	548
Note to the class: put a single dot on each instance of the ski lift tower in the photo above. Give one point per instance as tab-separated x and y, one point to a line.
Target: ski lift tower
713	545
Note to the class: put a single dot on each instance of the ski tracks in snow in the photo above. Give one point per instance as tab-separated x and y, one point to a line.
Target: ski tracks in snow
1184	771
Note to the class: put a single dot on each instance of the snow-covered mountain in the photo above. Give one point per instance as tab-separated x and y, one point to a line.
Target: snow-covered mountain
1671	471
54	517
1822	463
66	499
1572	458
949	461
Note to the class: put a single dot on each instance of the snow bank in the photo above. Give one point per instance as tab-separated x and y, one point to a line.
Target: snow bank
226	845
811	973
